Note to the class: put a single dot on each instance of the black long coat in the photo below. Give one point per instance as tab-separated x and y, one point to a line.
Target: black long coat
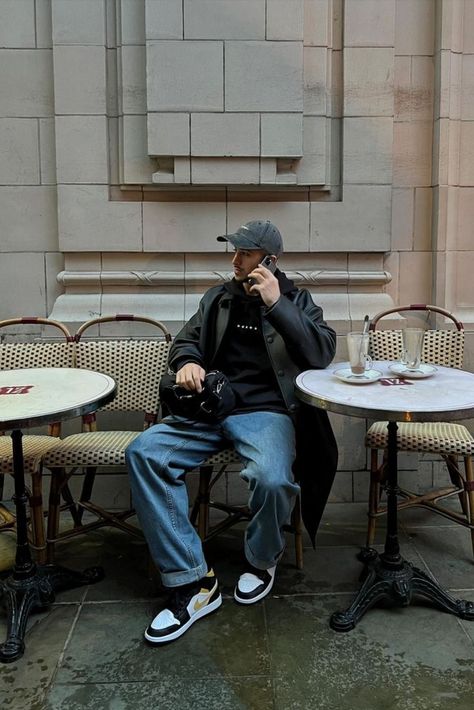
297	338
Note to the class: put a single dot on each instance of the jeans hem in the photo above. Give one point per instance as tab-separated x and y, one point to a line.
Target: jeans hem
177	579
261	564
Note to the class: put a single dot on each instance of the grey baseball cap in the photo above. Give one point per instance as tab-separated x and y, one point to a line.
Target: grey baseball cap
261	234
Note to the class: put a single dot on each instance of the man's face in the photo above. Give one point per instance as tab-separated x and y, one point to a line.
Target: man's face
245	261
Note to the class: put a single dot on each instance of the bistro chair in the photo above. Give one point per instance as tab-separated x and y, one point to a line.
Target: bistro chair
136	364
234	514
451	441
16	355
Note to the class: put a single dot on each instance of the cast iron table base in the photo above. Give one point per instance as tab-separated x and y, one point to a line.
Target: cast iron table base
31	587
33	592
390	578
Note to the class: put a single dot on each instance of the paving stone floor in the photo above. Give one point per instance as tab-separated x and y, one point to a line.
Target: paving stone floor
87	651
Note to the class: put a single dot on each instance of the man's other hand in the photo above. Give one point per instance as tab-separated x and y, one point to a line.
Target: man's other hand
190	377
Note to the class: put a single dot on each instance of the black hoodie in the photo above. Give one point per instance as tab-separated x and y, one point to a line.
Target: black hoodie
243	356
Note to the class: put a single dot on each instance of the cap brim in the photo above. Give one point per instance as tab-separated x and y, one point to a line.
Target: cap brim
239	241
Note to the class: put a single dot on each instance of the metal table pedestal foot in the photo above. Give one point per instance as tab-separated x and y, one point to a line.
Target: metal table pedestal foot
30	586
389	578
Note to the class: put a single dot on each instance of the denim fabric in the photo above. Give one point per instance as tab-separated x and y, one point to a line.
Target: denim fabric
158	460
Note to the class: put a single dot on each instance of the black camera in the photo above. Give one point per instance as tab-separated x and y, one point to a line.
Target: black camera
214	402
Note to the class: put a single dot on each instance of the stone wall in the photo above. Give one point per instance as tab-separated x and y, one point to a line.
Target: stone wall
132	132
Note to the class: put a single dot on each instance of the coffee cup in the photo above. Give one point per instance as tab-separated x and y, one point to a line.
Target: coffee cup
359	359
412	347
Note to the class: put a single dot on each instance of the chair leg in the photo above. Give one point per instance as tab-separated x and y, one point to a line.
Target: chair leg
374	496
456	479
58	476
297	528
205	474
86	491
153	572
37	516
71	505
470	494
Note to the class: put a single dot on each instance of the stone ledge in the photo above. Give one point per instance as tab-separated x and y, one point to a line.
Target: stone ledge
321	277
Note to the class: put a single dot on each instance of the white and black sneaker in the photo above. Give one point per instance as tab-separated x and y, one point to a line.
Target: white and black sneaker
186	605
254	584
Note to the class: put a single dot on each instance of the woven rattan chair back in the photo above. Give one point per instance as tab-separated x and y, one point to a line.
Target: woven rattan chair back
18	355
137	365
15	355
128	362
440	347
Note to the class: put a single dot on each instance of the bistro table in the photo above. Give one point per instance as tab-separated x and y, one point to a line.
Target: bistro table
31	397
445	396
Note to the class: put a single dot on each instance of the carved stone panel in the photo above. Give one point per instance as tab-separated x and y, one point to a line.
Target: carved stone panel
227	88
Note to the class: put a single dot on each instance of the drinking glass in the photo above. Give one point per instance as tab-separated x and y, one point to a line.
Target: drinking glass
412	347
358	345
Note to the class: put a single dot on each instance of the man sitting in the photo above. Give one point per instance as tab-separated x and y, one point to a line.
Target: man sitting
260	331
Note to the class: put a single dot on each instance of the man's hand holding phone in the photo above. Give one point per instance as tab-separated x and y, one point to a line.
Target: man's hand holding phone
263	281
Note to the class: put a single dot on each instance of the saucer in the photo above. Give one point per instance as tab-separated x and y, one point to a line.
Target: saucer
345	375
423	371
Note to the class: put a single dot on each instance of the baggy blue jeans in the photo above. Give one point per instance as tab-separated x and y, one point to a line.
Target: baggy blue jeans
158	460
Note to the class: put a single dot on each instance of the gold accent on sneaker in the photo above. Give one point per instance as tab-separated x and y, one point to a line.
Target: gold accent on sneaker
198	605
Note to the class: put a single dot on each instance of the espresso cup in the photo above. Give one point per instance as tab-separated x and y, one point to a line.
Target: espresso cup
359	359
412	347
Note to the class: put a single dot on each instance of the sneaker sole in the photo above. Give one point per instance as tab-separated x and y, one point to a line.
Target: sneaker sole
253	600
208	609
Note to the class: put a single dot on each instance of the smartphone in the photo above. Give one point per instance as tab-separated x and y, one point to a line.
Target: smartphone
268	263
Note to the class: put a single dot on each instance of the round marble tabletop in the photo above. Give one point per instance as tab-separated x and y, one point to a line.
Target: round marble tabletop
447	395
33	396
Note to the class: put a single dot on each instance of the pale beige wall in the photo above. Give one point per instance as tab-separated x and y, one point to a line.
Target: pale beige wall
114	180
383	188
30	257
